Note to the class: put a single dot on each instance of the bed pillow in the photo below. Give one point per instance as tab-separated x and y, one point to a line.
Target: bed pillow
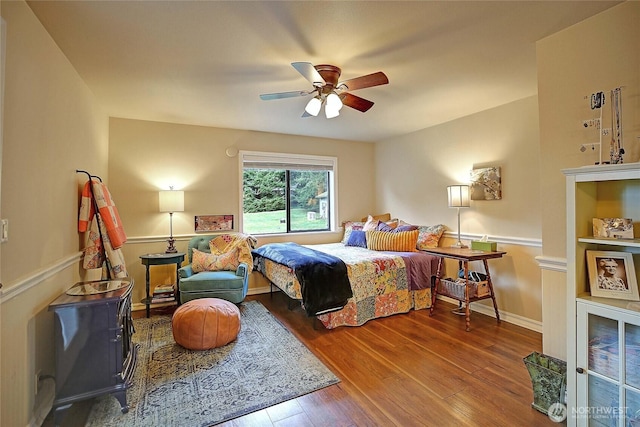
429	236
383	226
382	217
376	224
371	224
349	226
203	261
403	241
405	227
357	238
392	223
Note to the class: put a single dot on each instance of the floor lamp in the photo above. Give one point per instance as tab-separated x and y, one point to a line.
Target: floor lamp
458	198
171	201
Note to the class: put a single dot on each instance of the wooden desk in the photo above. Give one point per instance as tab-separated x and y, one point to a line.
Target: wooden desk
464	256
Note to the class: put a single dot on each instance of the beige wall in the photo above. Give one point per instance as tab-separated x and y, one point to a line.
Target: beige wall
52	126
598	54
140	166
413	171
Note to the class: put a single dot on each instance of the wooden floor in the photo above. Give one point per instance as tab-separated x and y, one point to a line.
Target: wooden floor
404	370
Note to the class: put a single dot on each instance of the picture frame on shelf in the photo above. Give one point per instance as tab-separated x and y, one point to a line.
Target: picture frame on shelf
612	274
618	228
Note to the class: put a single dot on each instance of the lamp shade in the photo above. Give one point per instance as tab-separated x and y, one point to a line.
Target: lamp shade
334	102
458	196
313	106
331	112
171	201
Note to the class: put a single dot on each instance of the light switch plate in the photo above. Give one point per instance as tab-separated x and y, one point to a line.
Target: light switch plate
4	230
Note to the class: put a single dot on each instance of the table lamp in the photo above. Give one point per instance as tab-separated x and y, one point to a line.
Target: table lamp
171	201
458	198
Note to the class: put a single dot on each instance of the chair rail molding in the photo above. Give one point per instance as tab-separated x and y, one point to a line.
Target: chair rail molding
507	240
552	263
40	275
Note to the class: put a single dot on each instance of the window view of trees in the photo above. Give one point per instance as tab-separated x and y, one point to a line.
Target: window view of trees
281	201
264	190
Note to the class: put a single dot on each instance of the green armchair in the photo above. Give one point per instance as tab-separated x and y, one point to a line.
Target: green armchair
228	285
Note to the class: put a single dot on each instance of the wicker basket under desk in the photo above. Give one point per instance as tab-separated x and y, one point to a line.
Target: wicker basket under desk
455	288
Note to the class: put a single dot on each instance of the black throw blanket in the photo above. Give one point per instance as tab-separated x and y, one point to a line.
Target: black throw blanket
324	283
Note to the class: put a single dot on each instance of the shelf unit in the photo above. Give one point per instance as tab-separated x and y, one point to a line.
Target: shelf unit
608	360
601	191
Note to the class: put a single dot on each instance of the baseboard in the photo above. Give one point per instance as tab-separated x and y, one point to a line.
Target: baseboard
480	308
137	306
505	316
261	290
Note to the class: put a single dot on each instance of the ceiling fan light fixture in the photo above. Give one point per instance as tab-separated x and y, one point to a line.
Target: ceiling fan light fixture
331	112
313	106
334	102
328	90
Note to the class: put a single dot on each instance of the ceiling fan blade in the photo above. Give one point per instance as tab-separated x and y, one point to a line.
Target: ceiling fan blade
280	95
305	114
356	102
309	72
375	79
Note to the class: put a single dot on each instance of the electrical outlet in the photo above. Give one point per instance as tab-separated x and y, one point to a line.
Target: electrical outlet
4	230
37	381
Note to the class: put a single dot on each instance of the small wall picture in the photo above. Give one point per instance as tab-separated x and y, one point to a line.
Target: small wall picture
206	223
486	184
612	275
617	228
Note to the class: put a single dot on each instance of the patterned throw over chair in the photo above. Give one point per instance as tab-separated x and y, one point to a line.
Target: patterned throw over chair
219	267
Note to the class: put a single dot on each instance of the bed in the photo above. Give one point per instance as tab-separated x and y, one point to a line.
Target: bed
382	283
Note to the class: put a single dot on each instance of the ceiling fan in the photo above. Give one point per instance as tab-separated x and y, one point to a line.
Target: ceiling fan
329	91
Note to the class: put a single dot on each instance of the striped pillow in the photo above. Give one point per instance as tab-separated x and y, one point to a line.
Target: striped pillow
404	241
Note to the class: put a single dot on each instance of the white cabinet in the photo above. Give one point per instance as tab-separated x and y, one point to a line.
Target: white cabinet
603	191
608	364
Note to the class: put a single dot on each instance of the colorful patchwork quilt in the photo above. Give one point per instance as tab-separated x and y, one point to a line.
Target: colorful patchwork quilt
381	283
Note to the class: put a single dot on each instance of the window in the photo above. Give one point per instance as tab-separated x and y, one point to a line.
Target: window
287	193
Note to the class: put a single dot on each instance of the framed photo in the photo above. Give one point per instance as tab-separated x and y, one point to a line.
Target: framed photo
206	223
612	275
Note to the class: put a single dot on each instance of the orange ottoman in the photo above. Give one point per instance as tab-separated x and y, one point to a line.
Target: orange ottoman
205	323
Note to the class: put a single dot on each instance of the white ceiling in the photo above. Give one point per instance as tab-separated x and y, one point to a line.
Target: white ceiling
207	62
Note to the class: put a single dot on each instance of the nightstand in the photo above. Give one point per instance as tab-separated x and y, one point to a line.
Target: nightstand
160	259
463	256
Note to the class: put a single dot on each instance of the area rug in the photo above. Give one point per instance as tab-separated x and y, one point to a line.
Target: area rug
173	386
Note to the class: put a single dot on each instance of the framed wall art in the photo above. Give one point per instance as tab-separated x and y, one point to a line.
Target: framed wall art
612	275
486	184
207	223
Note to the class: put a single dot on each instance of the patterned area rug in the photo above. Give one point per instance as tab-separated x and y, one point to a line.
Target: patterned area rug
173	386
